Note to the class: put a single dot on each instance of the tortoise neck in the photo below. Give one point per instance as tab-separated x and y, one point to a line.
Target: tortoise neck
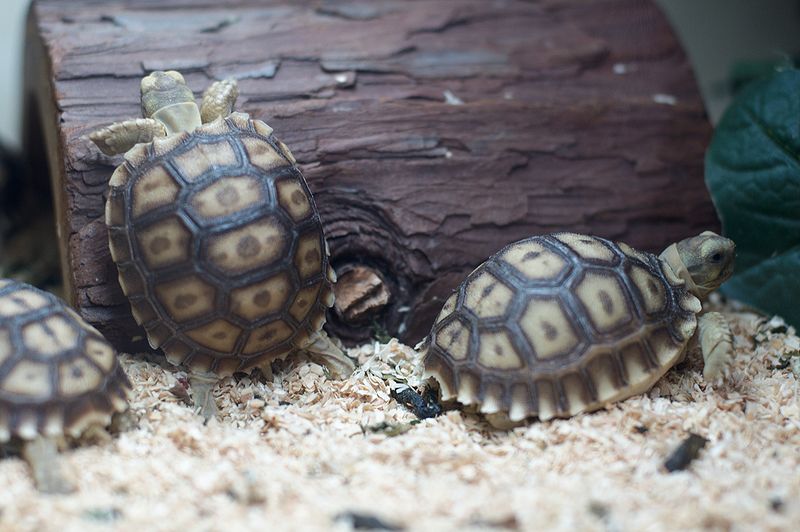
178	117
672	259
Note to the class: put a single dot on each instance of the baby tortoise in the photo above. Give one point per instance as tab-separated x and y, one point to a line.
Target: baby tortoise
58	377
216	237
555	325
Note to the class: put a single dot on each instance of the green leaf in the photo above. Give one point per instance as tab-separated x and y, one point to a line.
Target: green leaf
753	172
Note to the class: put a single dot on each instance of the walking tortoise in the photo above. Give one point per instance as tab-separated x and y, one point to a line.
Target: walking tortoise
58	377
216	237
554	325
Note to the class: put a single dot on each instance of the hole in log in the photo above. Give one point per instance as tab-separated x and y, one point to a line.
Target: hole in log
366	293
361	294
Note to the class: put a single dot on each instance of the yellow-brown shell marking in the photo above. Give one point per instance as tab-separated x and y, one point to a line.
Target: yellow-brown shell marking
559	324
219	246
57	374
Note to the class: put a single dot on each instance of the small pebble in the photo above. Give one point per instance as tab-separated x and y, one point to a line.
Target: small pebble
687	451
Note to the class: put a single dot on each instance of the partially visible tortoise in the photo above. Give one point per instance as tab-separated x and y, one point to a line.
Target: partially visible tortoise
554	325
216	237
58	377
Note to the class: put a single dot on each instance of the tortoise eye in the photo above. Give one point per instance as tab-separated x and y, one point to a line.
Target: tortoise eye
716	257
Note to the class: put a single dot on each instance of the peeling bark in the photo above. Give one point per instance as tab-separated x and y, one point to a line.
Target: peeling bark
432	133
361	295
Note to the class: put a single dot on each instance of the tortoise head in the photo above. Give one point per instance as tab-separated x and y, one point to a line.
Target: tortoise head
162	89
165	97
704	261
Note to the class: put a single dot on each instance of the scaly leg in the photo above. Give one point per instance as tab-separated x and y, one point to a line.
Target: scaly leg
122	136
42	455
202	387
218	100
501	421
321	348
716	343
95	434
266	372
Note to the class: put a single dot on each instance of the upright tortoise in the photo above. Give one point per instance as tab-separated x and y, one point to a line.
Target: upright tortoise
58	377
566	323
216	237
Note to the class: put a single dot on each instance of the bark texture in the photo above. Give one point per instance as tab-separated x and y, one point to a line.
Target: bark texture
432	133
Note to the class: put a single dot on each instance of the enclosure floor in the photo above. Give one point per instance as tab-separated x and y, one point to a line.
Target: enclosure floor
298	451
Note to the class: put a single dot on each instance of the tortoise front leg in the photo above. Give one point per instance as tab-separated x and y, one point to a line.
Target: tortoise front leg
501	421
322	349
42	455
122	136
202	393
716	342
218	100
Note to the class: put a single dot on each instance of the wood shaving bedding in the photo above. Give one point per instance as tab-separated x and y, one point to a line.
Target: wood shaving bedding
301	452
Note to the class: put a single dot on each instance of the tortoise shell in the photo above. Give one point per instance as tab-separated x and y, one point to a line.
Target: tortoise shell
559	324
219	246
58	375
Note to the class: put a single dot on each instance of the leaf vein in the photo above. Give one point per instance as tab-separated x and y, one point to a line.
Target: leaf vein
770	134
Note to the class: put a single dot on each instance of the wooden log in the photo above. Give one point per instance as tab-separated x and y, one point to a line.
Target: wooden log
432	133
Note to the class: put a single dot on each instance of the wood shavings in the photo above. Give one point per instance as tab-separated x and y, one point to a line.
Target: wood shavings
297	449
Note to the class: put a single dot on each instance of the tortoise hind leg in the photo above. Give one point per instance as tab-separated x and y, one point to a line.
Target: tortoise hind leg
202	387
218	100
42	455
501	421
122	136
716	343
321	348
